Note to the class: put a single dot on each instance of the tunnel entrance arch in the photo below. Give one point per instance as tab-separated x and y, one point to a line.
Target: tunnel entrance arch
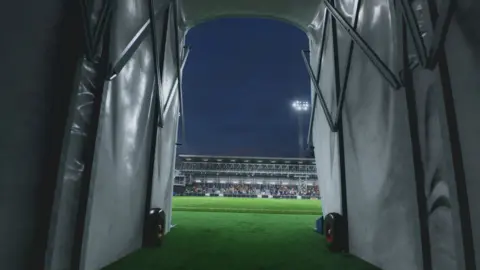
239	86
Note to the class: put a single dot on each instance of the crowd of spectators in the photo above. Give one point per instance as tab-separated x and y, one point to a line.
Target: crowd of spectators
245	189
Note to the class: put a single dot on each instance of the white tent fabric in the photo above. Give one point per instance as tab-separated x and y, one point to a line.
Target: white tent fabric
164	173
378	150
379	168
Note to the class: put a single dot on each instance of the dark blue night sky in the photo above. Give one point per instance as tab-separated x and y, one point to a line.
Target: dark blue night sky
238	83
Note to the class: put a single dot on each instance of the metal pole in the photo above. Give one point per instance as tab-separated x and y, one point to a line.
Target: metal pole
172	89
339	130
455	146
416	153
317	81
341	99
300	134
377	62
441	25
312	118
328	116
131	47
415	31
156	64
179	71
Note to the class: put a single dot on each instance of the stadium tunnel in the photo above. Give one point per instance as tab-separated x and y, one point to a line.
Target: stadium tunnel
90	87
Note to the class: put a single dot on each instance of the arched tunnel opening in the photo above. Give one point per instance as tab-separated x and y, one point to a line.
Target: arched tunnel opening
243	186
91	107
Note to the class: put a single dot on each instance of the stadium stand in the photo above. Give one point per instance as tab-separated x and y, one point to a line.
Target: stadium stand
254	177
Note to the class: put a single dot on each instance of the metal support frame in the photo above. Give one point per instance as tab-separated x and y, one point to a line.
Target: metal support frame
174	86
92	40
336	67
318	91
409	16
333	122
312	118
396	82
133	45
435	56
105	15
153	151
316	80
102	68
341	97
392	79
440	57
157	104
440	27
158	58
416	152
338	125
179	69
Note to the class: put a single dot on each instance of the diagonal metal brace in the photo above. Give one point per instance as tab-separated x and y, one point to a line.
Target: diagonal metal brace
100	28
317	79
440	28
179	65
414	31
341	99
439	34
174	86
93	38
374	58
132	46
319	93
158	58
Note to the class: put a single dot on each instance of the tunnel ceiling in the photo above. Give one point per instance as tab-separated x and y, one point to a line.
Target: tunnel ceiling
300	13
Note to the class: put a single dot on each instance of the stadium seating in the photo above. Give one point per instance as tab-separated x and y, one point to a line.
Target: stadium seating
249	191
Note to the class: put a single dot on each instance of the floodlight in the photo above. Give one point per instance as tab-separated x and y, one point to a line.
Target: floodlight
300	106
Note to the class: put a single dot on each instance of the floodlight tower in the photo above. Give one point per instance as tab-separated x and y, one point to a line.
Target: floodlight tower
300	108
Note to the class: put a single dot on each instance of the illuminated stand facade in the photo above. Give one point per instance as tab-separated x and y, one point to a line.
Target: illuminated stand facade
256	171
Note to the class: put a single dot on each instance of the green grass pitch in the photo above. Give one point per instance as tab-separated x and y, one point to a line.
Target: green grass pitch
247	205
242	234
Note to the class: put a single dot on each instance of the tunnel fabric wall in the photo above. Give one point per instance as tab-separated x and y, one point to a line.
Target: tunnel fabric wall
462	48
162	189
382	206
438	162
72	169
382	210
325	141
165	152
39	59
116	204
381	193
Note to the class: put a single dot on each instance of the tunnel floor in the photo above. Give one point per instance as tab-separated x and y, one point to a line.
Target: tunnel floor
220	240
